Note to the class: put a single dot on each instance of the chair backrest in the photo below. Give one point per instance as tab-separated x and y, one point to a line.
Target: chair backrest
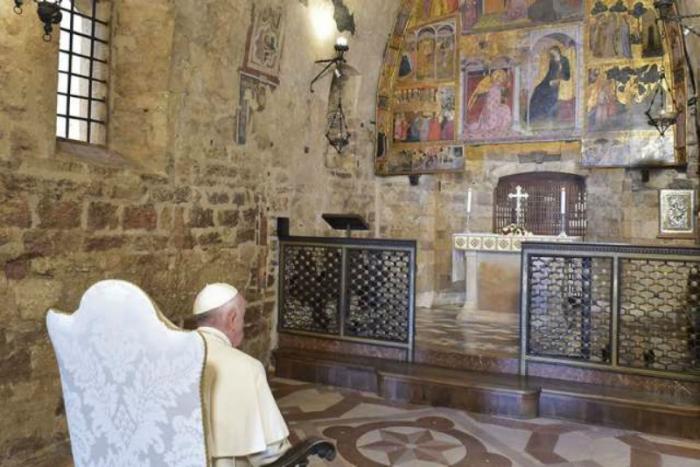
131	381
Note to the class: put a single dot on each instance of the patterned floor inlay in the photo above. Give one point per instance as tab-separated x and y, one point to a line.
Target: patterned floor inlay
477	333
370	431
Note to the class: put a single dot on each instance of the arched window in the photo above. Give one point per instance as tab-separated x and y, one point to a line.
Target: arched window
541	210
83	69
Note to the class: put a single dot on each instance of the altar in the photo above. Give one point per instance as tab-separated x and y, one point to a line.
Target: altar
490	266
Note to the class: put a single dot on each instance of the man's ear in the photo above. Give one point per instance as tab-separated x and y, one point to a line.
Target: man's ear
232	317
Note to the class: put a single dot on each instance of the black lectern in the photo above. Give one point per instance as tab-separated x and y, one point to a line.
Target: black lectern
346	222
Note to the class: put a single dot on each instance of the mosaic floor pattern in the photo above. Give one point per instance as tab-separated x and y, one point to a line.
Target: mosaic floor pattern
477	333
370	431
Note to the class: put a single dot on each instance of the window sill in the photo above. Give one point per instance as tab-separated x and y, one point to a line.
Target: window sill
92	154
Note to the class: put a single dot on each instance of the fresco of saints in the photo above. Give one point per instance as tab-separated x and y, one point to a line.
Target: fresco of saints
447	125
651	37
610	35
425	55
553	98
401	127
445	63
469	10
602	102
515	9
496	116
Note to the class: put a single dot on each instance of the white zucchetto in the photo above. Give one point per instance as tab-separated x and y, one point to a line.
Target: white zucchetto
213	296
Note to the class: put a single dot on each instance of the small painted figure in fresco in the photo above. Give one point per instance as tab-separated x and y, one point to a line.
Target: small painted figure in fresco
445	63
515	9
601	104
400	127
427	6
435	130
442	7
496	116
651	38
602	101
424	133
414	129
447	125
622	44
267	38
545	102
610	31
469	10
425	68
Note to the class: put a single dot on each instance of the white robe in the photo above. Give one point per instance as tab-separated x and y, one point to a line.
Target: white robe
244	425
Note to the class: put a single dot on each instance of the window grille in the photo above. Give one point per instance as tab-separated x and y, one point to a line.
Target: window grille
541	210
83	71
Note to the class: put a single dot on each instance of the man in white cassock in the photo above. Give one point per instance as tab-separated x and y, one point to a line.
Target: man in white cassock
243	423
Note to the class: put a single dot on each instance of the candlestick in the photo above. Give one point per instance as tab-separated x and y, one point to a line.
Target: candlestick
469	201
562	213
563	201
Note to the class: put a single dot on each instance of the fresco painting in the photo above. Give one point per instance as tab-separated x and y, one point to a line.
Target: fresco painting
430	118
619	96
265	41
623	30
489	106
493	15
429	159
553	64
530	91
488	72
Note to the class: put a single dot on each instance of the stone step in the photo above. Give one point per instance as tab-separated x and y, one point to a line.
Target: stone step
497	394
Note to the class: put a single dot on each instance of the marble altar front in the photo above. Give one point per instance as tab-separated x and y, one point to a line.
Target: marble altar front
490	266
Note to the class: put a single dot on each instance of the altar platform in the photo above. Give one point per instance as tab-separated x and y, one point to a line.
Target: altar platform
604	334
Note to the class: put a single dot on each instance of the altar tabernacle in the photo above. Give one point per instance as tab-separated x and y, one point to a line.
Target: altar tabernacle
461	232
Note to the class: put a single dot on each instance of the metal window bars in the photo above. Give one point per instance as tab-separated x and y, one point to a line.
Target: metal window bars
83	68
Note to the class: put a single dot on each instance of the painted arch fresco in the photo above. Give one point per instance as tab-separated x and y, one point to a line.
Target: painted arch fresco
461	73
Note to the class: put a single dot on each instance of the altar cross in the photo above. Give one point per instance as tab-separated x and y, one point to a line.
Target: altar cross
519	197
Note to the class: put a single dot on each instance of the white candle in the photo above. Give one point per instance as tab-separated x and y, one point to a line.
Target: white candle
469	201
563	200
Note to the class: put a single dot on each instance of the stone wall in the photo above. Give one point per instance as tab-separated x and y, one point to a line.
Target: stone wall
174	202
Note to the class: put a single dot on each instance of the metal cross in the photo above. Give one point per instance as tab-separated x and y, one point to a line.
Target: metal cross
519	196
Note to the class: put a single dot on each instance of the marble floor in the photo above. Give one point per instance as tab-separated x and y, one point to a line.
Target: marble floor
370	431
475	333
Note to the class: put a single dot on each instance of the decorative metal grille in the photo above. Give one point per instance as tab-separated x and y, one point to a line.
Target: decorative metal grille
82	72
659	315
379	295
310	286
618	307
570	307
542	208
348	289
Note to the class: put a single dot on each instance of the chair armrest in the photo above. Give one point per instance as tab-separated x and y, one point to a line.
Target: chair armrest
298	455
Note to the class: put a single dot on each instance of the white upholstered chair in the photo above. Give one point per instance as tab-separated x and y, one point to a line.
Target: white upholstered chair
131	381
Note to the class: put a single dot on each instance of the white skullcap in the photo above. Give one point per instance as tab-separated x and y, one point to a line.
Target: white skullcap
213	296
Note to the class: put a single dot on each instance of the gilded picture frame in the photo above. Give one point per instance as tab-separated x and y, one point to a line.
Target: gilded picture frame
677	213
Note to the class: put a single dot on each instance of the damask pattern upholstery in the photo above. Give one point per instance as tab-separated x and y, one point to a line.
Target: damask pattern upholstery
131	381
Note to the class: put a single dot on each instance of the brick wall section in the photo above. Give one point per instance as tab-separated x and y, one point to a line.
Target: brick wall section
175	203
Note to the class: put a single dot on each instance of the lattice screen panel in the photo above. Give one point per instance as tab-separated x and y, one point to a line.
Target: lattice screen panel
541	210
379	295
310	298
660	315
570	307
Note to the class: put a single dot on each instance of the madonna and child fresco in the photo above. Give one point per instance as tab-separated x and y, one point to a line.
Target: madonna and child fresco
479	72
